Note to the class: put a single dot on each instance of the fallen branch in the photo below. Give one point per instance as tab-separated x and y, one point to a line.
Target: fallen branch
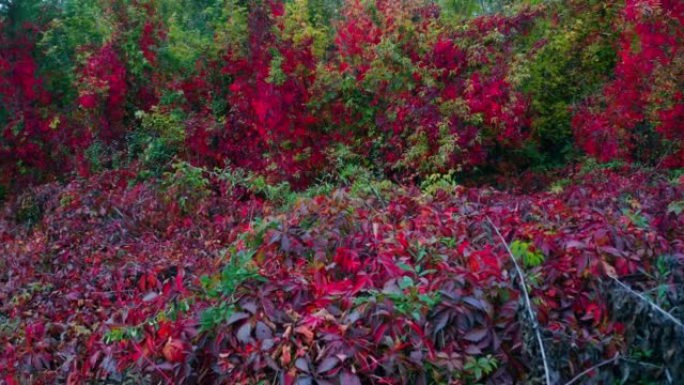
642	363
528	303
648	301
585	372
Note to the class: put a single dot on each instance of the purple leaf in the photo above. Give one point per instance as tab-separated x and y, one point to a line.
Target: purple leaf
306	380
611	250
244	333
262	331
476	335
302	365
575	244
151	296
235	317
349	378
327	364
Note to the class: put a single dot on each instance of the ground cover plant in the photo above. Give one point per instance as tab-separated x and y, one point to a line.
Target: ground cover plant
341	192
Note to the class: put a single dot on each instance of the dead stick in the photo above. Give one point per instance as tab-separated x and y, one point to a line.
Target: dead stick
653	305
606	362
528	303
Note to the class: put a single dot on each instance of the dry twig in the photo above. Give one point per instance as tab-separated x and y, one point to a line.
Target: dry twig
653	305
585	372
528	303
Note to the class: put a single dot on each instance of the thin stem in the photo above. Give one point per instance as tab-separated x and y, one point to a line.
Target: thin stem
642	363
653	305
528	303
585	372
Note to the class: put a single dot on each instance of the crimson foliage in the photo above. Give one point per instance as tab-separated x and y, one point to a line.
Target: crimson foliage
645	99
178	255
277	87
116	280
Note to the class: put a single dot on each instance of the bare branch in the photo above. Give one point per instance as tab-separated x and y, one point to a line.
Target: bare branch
648	301
584	373
528	303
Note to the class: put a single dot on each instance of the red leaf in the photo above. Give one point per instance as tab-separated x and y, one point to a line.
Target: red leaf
174	350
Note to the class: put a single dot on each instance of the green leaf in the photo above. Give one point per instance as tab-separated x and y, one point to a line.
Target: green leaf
524	252
406	282
675	208
404	266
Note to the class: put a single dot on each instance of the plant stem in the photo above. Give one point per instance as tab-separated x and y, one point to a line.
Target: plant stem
585	372
528	303
653	305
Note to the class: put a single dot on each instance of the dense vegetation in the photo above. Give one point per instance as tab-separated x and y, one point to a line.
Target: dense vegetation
341	192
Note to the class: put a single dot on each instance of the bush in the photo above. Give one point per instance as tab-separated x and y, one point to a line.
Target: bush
411	89
411	287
